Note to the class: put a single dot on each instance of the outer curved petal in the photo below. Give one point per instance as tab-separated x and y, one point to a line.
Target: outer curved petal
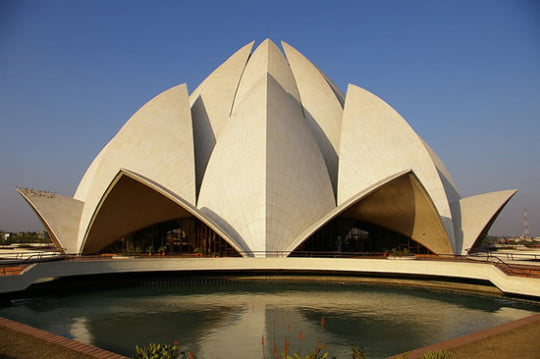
377	142
133	202
59	214
477	213
86	180
322	108
156	142
447	180
398	202
219	89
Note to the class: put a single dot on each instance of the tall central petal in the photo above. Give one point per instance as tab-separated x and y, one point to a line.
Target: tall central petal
264	176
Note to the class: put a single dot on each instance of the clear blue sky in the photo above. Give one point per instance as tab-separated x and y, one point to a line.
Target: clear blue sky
464	74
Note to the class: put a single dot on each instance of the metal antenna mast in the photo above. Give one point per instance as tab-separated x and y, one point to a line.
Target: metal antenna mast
526	234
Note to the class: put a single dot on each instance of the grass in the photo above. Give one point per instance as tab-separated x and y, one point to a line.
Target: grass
16	345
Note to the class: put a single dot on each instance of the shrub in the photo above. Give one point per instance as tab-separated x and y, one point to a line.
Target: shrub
439	354
401	252
156	351
161	351
358	353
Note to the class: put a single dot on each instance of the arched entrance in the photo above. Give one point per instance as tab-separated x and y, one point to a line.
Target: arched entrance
183	236
347	236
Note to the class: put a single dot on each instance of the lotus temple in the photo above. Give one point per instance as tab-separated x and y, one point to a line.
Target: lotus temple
268	172
266	158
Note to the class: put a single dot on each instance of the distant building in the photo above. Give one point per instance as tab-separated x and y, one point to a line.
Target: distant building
267	157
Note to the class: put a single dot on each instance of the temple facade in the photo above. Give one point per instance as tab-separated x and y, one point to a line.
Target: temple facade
266	157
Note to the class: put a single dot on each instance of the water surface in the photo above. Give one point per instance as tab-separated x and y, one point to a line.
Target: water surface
222	319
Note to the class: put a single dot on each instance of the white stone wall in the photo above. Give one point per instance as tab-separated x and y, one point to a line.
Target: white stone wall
481	271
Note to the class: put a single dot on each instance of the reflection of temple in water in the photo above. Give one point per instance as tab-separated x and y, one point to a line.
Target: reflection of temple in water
228	319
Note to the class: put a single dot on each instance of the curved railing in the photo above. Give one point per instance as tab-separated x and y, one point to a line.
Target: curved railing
520	269
513	256
14	263
29	256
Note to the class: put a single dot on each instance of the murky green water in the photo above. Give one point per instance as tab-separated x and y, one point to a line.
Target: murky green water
228	319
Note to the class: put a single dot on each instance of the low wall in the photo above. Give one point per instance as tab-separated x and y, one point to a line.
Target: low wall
42	272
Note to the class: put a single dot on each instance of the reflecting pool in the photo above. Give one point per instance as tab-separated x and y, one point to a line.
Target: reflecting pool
227	319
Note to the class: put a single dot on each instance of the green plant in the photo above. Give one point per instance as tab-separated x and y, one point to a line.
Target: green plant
315	354
132	251
162	351
156	351
358	353
396	252
439	354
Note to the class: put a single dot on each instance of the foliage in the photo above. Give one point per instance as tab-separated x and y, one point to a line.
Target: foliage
358	353
133	251
25	237
396	252
315	354
156	351
161	351
439	354
489	239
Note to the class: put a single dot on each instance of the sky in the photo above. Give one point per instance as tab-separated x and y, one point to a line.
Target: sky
464	74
